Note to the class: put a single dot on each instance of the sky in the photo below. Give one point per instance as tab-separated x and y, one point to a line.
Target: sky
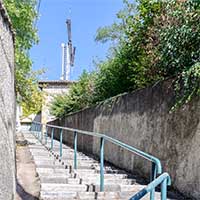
87	16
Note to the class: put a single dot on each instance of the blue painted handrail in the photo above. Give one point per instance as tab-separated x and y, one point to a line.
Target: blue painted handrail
156	164
163	180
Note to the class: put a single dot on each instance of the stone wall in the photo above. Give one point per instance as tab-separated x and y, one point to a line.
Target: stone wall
142	119
7	108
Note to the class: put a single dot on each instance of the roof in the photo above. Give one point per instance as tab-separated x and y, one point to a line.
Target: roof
55	82
6	18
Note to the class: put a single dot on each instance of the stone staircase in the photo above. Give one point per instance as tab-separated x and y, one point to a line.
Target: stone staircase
59	181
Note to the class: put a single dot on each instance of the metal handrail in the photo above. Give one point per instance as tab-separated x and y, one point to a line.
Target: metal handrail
163	180
156	164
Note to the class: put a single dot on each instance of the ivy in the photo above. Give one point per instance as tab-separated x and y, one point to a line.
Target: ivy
187	86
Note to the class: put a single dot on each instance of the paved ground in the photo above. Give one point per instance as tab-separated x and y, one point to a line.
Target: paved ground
28	184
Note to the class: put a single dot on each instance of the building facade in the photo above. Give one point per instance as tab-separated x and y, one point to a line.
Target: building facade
51	89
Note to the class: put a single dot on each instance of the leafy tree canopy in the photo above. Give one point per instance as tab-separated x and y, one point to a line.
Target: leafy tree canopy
23	15
152	40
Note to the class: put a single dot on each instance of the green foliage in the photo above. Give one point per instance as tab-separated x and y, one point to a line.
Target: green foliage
34	103
23	15
187	86
80	96
177	31
117	75
154	40
109	33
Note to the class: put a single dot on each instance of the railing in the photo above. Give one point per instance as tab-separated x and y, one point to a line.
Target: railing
156	168
162	180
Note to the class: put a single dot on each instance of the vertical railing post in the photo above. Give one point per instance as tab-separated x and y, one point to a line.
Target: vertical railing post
40	132
102	165
153	177
33	130
61	138
52	134
37	128
75	150
46	134
164	190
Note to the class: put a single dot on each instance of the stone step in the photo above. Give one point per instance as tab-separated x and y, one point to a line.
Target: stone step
48	163
52	170
58	195
52	187
59	181
52	166
92	180
47	187
85	176
44	158
87	196
98	195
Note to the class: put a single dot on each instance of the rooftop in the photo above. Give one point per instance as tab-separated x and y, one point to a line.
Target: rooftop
54	82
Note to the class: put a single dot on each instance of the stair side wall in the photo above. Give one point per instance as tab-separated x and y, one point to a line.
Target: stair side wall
7	108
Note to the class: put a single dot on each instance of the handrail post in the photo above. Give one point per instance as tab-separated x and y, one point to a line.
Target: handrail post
52	133
46	134
37	131
75	150
61	138
153	177
41	132
164	190
34	129
102	165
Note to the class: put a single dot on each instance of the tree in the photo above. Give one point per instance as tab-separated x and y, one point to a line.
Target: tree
23	15
153	40
80	96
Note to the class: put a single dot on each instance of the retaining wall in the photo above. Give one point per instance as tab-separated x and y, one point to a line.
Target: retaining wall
142	119
7	108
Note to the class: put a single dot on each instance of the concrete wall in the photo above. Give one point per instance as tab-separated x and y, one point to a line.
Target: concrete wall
50	90
142	119
7	109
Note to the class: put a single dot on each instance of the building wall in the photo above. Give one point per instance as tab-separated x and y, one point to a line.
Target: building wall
51	89
7	109
142	119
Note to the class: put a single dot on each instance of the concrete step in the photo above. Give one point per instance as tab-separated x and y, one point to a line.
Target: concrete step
106	176
58	195
89	188
92	180
52	171
59	181
52	187
47	163
64	195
